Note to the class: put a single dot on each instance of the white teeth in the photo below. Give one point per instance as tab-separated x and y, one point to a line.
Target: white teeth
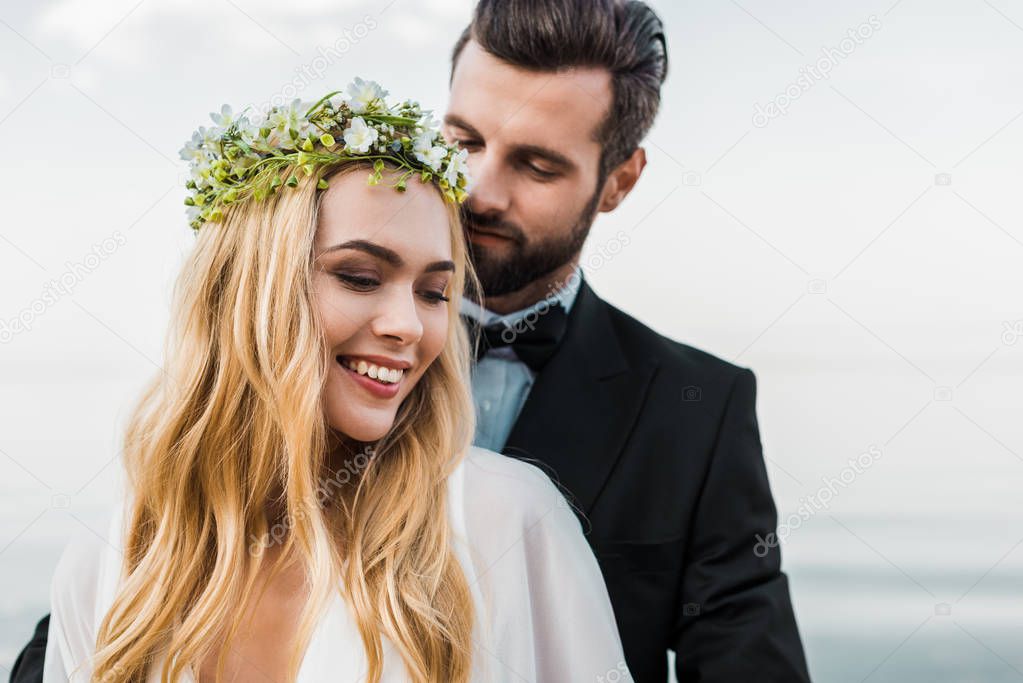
379	373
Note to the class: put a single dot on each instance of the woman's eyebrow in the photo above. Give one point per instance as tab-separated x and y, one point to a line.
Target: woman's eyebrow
438	266
371	248
387	255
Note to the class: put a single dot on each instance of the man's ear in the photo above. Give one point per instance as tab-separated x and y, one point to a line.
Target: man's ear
621	180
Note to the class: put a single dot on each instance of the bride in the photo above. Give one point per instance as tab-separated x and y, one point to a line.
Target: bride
303	500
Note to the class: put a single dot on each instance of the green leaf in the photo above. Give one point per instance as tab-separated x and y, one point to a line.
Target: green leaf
321	101
292	180
322	184
327	140
378	165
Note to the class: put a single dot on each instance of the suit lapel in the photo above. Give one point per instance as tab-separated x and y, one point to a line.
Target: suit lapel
583	404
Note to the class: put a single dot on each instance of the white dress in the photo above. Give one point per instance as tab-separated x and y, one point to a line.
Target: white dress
542	610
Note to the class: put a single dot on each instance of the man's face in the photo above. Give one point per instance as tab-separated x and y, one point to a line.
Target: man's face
535	163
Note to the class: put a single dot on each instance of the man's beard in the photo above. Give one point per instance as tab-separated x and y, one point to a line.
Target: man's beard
528	261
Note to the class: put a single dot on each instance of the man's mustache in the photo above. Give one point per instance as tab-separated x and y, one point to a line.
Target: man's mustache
492	224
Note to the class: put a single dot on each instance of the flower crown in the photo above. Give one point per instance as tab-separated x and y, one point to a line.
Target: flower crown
243	157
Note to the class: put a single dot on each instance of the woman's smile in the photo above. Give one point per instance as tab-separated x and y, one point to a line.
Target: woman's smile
380	376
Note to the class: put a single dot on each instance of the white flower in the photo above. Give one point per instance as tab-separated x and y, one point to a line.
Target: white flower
428	153
359	137
363	95
458	165
282	120
205	142
258	120
429	124
424	138
225	118
202	173
434	157
192	151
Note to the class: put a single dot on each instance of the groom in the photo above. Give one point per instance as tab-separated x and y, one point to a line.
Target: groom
655	443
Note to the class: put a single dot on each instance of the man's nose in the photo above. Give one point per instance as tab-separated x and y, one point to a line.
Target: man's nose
490	189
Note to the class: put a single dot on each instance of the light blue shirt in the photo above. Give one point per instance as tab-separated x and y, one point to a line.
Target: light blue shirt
500	381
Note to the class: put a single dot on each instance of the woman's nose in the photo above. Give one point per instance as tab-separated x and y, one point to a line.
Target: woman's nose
399	319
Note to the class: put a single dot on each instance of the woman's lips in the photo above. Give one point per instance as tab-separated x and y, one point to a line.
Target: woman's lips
378	389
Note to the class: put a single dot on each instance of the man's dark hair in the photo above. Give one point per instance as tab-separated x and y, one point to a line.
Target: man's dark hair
623	36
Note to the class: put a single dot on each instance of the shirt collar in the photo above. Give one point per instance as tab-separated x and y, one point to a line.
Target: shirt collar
565	296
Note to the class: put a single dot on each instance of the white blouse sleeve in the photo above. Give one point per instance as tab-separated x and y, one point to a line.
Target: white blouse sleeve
547	615
71	638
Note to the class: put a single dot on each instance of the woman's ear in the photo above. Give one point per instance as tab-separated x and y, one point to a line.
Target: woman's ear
621	181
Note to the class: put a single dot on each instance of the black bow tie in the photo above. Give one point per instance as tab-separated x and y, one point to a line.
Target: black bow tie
534	339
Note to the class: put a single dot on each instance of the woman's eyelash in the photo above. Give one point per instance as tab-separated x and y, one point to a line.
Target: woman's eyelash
359	282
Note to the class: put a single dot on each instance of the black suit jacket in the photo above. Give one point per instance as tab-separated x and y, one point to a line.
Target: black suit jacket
657	445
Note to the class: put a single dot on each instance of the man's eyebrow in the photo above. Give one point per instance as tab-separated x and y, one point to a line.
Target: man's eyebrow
387	255
545	153
458	121
556	158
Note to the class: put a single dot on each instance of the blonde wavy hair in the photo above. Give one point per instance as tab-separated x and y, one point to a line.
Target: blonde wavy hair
234	426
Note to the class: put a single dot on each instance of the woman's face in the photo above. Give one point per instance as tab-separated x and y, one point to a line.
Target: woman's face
381	274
